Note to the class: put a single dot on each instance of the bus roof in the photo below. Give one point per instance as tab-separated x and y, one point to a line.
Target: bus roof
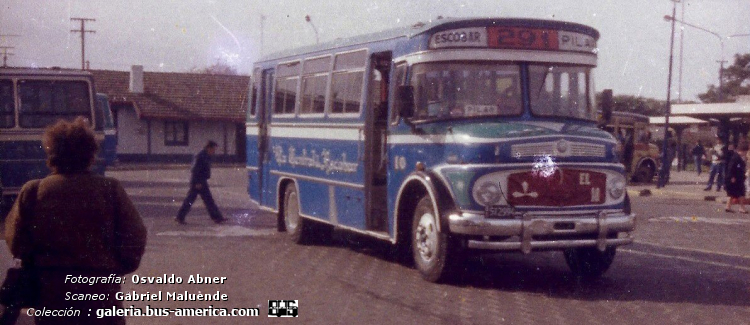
45	72
430	27
627	118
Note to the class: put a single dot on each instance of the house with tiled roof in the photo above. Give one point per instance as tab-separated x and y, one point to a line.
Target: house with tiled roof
168	117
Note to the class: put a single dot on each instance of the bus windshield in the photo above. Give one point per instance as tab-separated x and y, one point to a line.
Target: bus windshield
561	91
464	90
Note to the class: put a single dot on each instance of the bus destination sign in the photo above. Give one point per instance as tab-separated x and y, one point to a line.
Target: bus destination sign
514	38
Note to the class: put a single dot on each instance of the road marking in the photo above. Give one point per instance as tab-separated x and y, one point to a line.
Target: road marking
220	231
688	259
695	250
694	219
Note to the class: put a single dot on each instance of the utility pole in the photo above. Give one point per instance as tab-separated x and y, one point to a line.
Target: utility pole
3	36
666	161
83	32
6	48
721	79
6	54
682	47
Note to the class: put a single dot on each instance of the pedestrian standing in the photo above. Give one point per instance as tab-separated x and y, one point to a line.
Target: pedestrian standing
735	178
200	172
698	152
74	223
717	153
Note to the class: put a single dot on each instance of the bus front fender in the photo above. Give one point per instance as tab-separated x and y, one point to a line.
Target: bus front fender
423	183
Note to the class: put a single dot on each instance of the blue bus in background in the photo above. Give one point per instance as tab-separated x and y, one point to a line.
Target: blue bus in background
105	123
456	135
30	100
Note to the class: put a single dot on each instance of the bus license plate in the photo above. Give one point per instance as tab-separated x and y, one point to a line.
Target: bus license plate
499	212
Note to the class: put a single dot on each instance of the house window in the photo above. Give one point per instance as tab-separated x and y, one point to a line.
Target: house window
175	133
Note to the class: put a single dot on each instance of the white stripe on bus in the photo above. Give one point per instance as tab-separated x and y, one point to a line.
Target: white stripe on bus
493	55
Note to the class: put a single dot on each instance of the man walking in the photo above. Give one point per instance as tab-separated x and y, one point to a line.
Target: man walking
717	167
200	173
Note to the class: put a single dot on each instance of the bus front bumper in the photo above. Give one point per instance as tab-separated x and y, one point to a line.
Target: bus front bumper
536	231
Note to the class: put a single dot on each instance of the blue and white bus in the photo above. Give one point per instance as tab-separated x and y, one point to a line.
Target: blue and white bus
460	134
30	100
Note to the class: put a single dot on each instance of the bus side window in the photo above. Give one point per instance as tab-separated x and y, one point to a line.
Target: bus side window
399	76
253	94
7	104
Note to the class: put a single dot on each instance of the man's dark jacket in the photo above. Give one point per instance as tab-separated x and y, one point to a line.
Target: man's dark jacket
201	170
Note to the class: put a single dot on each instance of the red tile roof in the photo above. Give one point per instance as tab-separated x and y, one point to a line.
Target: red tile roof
179	96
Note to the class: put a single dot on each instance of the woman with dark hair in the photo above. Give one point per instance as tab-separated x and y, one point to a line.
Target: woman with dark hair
74	225
735	178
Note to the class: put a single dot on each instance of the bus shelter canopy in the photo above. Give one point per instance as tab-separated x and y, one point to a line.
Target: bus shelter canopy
676	120
718	111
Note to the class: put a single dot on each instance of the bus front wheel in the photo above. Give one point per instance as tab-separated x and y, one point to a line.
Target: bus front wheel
295	225
589	262
430	247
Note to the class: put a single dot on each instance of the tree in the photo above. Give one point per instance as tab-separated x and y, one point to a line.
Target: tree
221	67
636	104
736	79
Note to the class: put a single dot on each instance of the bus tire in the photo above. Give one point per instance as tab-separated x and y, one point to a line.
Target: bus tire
430	247
644	174
589	262
296	226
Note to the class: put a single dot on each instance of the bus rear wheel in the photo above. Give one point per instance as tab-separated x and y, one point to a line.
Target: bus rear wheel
644	174
430	247
295	225
589	262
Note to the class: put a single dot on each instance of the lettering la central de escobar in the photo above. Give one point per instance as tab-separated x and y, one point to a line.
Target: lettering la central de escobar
313	159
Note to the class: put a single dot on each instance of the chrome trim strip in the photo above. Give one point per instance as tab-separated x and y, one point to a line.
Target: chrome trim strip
467	139
526	166
319	180
503	246
599	225
269	209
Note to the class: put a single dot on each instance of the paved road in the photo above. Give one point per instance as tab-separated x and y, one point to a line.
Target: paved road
689	265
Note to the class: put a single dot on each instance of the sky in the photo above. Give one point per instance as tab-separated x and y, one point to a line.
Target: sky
177	36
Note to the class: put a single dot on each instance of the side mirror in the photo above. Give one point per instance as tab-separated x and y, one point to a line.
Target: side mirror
607	106
406	101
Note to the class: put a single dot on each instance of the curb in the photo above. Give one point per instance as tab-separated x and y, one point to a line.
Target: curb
677	194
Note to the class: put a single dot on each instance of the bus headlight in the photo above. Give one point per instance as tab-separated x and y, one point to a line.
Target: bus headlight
616	187
487	194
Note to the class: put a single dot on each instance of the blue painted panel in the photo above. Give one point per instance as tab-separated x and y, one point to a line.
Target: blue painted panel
22	161
252	185
314	199
109	148
334	160
350	205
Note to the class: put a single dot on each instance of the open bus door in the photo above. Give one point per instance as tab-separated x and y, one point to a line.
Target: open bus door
376	158
264	119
